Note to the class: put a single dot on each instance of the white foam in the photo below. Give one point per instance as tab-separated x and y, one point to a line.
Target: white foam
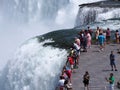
35	67
109	14
99	17
13	34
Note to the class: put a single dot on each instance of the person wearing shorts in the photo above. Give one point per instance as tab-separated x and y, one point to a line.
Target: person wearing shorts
101	39
112	61
86	79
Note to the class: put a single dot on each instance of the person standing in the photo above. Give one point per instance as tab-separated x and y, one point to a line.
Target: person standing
71	62
69	74
86	79
88	40
61	83
101	39
112	61
117	36
108	34
81	37
90	31
67	85
77	48
111	81
96	35
104	33
85	41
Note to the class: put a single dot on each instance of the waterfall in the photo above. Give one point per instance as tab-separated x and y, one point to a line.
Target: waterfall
89	15
23	71
33	67
29	10
22	19
40	10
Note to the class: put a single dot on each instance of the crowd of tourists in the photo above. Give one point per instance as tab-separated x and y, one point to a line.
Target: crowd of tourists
82	43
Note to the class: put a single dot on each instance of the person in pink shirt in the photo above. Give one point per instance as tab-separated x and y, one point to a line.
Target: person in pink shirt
88	40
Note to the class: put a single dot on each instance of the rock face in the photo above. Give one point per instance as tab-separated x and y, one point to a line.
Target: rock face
96	12
115	0
109	4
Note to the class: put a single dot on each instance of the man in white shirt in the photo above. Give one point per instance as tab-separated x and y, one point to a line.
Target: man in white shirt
61	82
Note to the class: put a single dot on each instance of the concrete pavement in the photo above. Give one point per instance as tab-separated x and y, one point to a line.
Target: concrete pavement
98	65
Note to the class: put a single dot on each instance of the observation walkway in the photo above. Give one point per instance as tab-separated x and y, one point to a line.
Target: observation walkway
98	65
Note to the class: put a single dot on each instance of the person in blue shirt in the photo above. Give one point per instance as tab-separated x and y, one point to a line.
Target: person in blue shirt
101	39
112	61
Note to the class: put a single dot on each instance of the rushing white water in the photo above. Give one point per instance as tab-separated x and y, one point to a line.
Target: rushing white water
97	14
42	10
22	19
34	67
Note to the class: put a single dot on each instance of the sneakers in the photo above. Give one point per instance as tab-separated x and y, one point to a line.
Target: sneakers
70	84
99	50
102	49
115	70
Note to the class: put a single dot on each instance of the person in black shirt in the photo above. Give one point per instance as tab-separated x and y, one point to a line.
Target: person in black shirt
86	79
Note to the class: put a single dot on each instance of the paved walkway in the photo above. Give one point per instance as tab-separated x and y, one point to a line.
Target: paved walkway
97	63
